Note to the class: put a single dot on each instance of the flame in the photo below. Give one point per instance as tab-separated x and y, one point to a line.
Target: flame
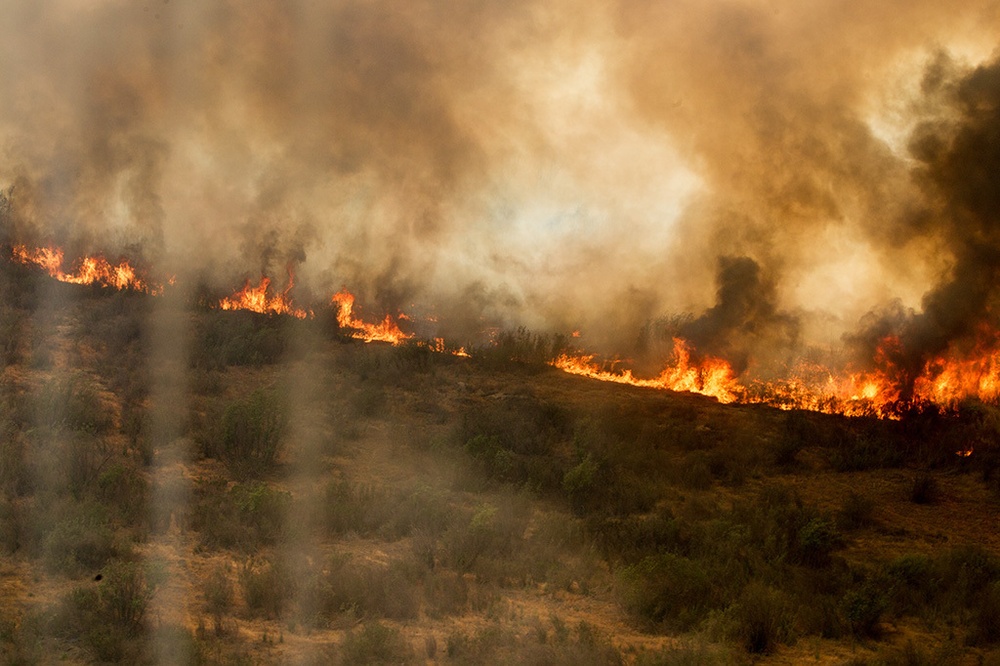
256	299
712	377
90	270
384	331
885	390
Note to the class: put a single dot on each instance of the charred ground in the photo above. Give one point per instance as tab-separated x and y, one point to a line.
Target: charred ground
280	493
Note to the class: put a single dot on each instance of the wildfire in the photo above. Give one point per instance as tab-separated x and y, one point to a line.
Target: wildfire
385	331
885	390
256	299
89	270
713	377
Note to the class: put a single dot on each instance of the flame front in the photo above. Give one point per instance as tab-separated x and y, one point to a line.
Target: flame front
90	270
385	331
885	390
712	377
257	299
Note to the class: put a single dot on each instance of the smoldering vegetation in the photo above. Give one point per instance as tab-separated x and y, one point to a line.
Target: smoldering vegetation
423	506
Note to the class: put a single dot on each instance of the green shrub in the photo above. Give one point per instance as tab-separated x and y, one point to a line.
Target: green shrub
924	489
346	588
74	403
865	451
125	491
110	617
375	643
218	592
238	338
856	512
494	531
266	587
246	516
863	608
250	434
761	619
667	590
80	542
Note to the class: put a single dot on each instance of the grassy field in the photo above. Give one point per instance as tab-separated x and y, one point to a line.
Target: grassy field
181	485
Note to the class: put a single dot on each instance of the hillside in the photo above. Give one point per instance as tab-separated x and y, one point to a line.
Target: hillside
183	485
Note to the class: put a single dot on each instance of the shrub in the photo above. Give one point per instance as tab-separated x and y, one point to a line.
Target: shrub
81	542
865	451
761	618
238	338
815	541
266	587
250	434
985	628
376	643
75	404
863	608
218	592
924	489
856	512
667	590
109	618
493	532
247	516
366	591
126	492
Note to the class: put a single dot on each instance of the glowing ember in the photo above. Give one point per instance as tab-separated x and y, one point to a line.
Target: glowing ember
89	270
384	331
712	377
256	299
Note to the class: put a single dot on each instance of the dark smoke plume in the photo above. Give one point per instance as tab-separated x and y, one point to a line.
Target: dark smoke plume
959	170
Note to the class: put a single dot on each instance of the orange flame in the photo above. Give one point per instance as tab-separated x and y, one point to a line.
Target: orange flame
256	299
713	377
90	270
384	331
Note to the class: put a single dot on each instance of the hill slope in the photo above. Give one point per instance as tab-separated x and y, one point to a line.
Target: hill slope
219	487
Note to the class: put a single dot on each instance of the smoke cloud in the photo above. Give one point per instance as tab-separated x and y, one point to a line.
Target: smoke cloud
777	171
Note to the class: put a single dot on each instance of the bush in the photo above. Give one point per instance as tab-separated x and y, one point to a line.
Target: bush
247	516
667	590
863	608
81	542
762	619
493	532
376	643
266	587
218	592
250	434
360	591
109	618
238	338
74	403
856	512
985	628
924	489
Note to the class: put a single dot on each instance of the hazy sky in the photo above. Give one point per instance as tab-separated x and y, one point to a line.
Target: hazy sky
558	164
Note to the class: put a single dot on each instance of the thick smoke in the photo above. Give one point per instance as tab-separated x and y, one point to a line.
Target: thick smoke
554	164
959	170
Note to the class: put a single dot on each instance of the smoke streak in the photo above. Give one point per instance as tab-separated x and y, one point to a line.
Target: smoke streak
554	164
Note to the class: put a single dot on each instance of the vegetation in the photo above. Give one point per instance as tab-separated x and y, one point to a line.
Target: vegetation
460	511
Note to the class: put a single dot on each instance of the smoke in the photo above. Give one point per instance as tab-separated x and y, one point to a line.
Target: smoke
958	156
554	164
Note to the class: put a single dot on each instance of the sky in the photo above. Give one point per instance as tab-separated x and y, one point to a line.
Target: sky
783	173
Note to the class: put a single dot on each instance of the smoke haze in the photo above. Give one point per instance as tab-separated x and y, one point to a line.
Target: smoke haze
783	171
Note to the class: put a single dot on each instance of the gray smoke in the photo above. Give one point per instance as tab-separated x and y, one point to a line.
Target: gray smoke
553	164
